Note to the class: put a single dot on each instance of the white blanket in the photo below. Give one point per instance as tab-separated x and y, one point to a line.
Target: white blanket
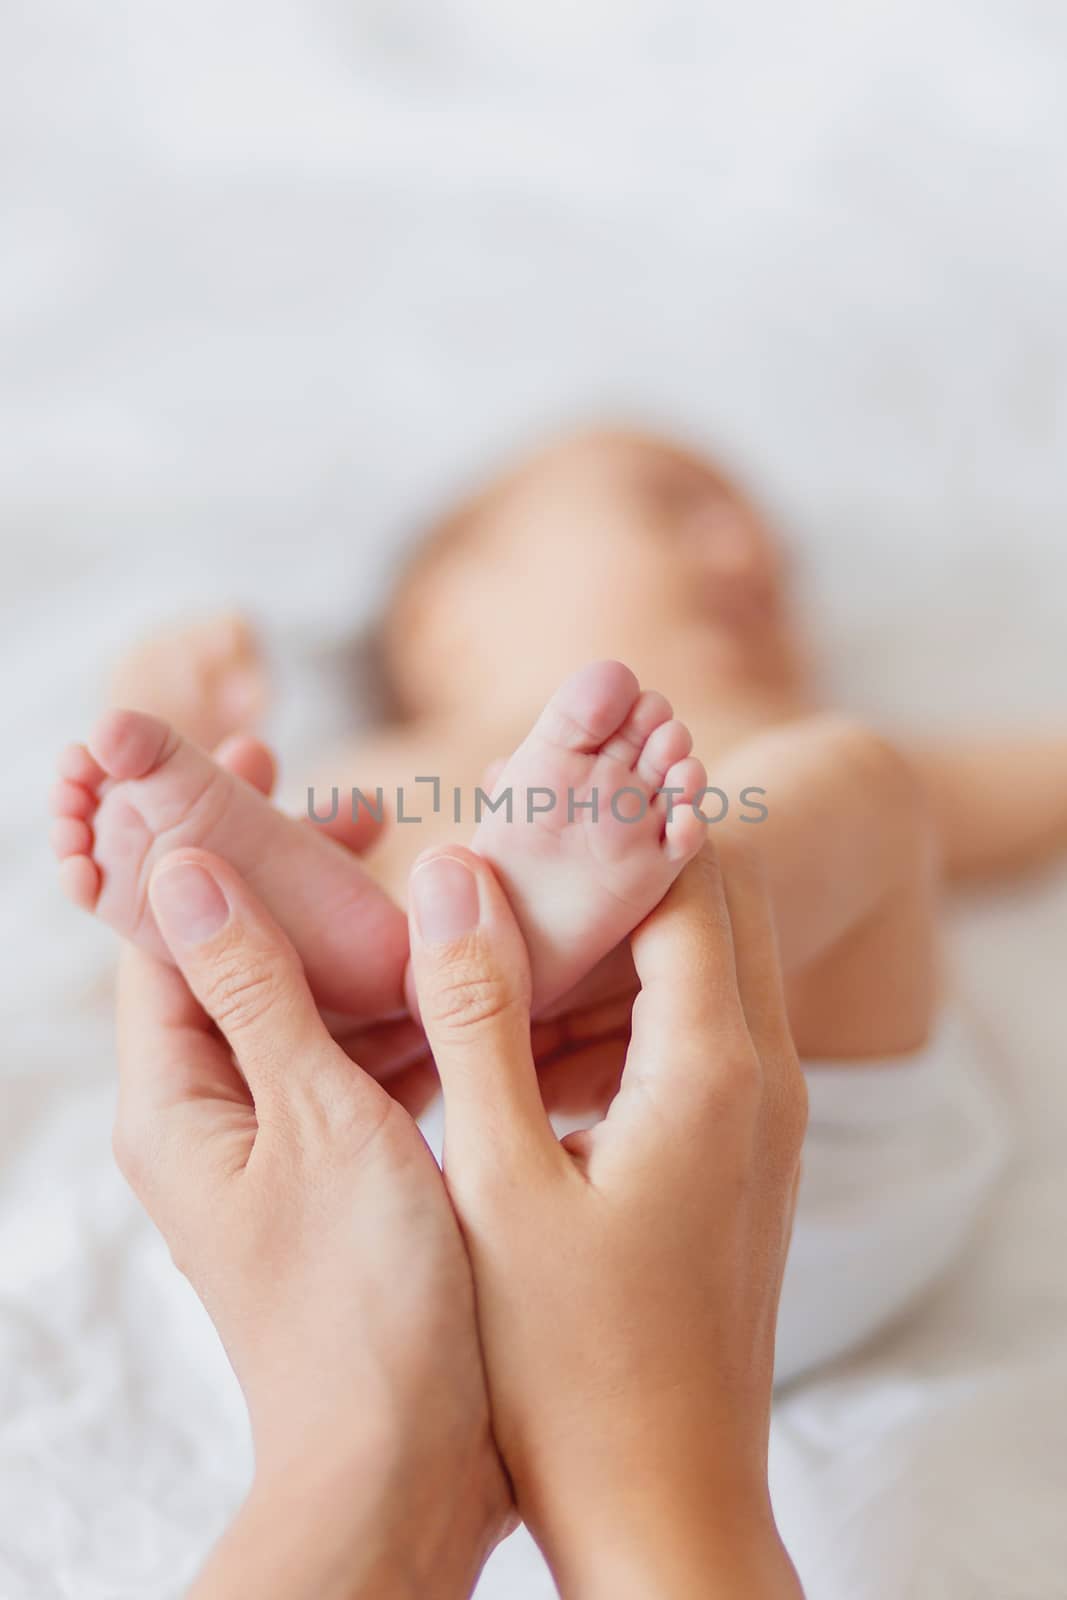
274	277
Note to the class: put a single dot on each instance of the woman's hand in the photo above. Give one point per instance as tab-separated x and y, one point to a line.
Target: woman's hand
627	1280
303	1205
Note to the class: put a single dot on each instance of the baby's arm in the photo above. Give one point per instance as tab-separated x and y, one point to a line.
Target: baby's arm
848	851
999	805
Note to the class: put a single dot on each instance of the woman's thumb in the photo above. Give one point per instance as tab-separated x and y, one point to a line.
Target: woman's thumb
472	979
242	969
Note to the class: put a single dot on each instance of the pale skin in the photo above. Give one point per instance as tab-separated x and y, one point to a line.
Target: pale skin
579	879
630	1370
262	1152
844	841
616	544
259	1147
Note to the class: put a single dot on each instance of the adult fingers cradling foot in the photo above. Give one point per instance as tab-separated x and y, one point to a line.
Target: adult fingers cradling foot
261	1176
629	1371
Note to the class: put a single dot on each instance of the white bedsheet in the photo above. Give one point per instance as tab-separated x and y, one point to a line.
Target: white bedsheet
274	277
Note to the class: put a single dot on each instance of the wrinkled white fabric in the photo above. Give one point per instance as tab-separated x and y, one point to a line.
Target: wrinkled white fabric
900	1160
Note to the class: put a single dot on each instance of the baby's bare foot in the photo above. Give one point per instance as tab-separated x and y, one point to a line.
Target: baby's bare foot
601	821
205	678
139	790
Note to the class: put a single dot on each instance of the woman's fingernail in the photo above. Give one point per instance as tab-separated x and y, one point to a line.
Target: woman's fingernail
444	893
188	903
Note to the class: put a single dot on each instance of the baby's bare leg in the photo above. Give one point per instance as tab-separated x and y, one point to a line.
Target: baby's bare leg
848	849
999	805
206	678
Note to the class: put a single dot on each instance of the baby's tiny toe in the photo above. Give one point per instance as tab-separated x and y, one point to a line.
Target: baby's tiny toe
668	744
128	744
79	879
77	766
589	708
70	836
688	776
71	800
249	759
686	827
649	711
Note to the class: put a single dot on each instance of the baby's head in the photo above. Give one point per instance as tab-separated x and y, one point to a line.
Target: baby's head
609	543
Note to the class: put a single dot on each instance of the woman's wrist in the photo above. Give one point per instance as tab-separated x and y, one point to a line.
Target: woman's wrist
687	1534
701	1569
675	1562
359	1535
294	1546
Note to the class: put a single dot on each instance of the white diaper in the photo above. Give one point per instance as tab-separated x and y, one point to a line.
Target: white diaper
899	1158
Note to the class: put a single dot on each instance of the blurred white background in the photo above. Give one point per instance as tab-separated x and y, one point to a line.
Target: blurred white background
275	279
